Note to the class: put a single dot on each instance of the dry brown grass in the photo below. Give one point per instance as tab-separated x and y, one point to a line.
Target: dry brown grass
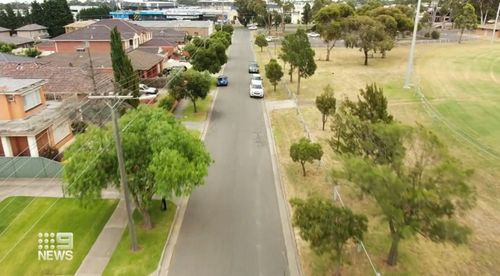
418	256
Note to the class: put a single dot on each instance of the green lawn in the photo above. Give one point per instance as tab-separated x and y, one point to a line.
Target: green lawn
203	107
462	82
22	218
151	242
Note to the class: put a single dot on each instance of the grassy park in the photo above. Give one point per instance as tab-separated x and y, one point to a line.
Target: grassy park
22	218
146	259
461	83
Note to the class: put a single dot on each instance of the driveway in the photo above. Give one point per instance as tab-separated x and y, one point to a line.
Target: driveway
232	225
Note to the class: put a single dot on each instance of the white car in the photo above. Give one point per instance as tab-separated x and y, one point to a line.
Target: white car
146	90
270	38
256	89
256	77
313	34
252	27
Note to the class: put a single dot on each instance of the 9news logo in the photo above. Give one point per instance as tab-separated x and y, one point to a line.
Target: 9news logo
55	246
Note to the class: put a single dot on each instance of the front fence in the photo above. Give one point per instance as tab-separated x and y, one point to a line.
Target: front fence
29	167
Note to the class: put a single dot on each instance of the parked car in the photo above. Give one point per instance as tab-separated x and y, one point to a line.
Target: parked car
256	77
313	34
270	38
222	81
252	27
253	67
256	89
146	90
173	64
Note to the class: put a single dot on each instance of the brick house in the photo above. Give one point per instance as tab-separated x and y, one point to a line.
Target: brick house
29	123
33	31
97	37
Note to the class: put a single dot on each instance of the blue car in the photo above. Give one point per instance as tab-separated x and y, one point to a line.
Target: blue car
222	81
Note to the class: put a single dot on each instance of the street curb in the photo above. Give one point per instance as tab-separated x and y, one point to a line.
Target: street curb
292	255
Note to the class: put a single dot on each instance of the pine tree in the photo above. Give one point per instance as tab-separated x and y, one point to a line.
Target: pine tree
126	79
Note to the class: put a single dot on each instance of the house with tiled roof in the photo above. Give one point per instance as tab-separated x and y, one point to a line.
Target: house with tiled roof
33	31
4	31
97	37
28	122
17	41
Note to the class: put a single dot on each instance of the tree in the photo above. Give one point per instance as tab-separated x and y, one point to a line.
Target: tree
306	14
318	5
125	77
260	40
56	15
305	151
422	194
326	103
466	19
100	12
274	72
192	85
328	228
365	33
6	48
37	15
371	106
205	60
32	52
296	50
171	166
248	9
329	24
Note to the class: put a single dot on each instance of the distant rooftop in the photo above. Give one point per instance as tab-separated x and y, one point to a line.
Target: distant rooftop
174	24
31	27
80	24
2	29
101	30
16	40
13	58
17	86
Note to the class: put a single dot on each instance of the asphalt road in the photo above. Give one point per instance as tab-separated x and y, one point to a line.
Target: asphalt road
232	224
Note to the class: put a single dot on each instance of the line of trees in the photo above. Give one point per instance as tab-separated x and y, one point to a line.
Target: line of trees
53	14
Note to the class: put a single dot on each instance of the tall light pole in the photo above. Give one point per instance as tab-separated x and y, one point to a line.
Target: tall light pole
409	70
495	26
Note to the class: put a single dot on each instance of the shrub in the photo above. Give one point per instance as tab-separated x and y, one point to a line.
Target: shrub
167	102
427	35
435	35
159	82
32	52
51	153
78	127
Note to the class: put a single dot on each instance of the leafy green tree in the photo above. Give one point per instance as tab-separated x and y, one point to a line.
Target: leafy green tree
326	104
305	151
219	49
318	5
248	9
126	79
192	85
221	36
56	15
421	195
260	41
328	22
206	60
401	16
365	33
171	166
306	14
228	28
296	50
37	14
274	72
328	228
466	19
371	106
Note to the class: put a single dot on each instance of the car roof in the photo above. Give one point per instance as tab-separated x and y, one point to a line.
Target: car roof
222	76
256	82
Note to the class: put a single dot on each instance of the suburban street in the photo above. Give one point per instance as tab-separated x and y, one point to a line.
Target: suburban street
232	224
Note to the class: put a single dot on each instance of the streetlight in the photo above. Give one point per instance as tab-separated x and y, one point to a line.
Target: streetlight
409	70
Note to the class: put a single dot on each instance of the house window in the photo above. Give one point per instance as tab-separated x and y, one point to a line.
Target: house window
31	100
61	131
